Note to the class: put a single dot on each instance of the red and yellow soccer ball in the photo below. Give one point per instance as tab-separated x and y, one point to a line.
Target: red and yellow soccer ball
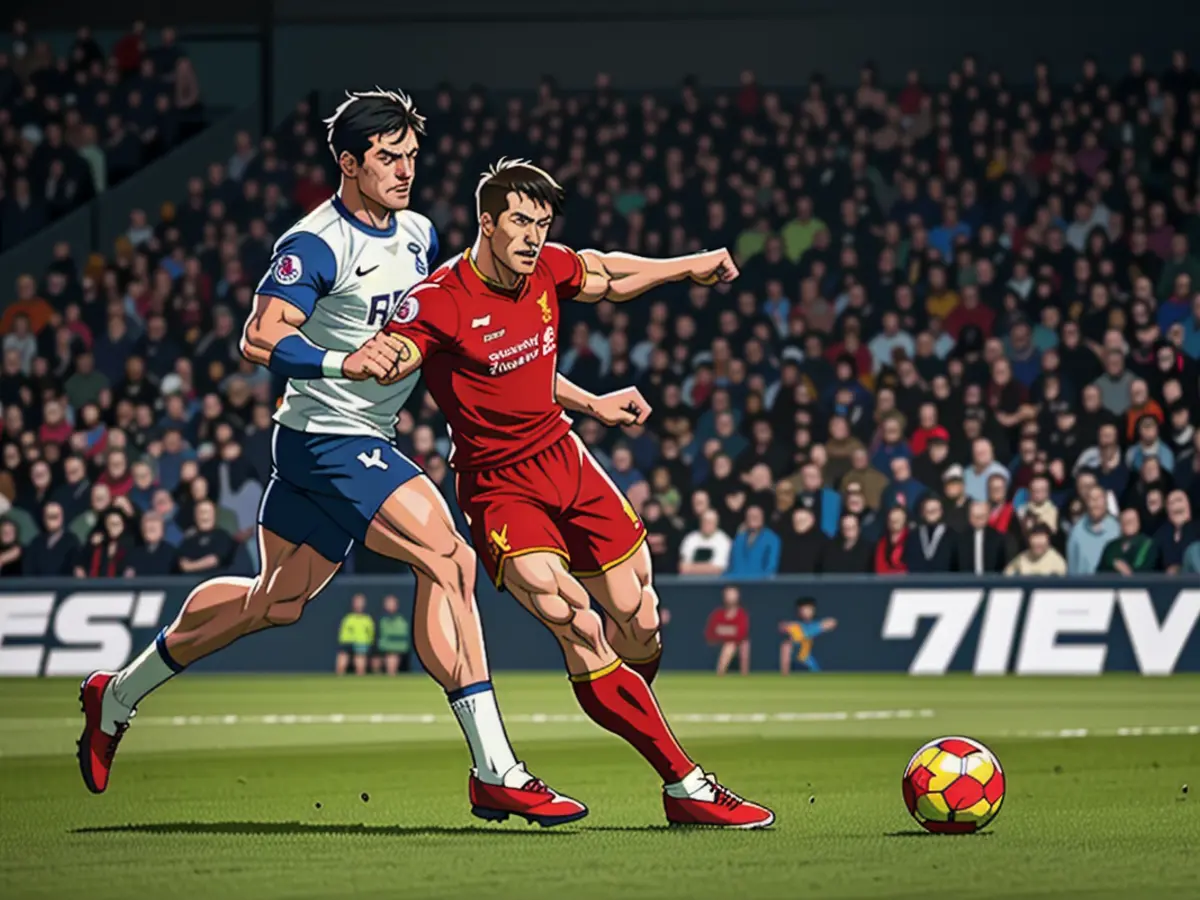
953	785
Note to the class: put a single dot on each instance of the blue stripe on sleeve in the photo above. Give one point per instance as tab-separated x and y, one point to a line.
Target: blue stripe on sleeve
432	255
303	270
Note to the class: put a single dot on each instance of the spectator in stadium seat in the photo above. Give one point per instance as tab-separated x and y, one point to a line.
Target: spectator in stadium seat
1149	444
99	500
1132	551
73	494
21	214
980	549
755	550
1041	559
803	546
206	549
104	552
850	552
1115	383
706	550
28	303
1177	533
21	341
1140	404
891	444
12	562
154	557
891	340
1091	534
955	502
52	552
903	490
825	503
891	548
931	543
983	467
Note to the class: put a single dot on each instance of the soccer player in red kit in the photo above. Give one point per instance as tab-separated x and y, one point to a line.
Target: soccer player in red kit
485	329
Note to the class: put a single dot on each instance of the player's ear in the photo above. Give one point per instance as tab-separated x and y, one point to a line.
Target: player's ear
348	164
487	224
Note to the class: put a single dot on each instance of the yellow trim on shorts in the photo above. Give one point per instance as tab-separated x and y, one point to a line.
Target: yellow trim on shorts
649	659
637	545
599	673
513	554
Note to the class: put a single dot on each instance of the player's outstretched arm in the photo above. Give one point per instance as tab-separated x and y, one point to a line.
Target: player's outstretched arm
622	276
272	338
624	407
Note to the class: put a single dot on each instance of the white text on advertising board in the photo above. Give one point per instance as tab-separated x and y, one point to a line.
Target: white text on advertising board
1049	615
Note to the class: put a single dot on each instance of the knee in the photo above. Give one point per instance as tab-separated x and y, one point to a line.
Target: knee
646	619
543	582
279	598
452	567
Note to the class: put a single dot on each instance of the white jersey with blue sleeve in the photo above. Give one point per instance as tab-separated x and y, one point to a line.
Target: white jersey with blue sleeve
350	280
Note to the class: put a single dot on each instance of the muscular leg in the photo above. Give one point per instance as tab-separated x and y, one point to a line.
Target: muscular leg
220	611
414	525
614	696
626	593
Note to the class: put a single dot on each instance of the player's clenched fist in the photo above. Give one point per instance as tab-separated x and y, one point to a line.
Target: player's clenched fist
714	266
624	407
383	358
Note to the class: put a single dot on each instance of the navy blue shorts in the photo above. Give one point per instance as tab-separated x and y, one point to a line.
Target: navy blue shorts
326	488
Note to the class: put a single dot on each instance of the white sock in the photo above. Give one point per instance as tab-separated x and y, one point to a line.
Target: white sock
479	717
153	667
694	784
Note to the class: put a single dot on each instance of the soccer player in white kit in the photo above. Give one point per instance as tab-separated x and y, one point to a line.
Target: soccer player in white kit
336	278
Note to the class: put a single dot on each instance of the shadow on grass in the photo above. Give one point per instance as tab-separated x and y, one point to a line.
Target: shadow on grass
661	829
917	833
314	828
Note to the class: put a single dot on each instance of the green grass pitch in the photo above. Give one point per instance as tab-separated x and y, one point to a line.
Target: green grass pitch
216	792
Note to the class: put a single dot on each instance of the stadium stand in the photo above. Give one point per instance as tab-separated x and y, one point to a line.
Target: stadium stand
966	336
73	125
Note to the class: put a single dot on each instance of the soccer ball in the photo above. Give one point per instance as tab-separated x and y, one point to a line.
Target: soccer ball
953	785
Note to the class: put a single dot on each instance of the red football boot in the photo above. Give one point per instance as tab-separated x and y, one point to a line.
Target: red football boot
715	806
96	747
533	802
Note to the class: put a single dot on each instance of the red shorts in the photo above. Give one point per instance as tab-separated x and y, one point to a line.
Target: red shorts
559	501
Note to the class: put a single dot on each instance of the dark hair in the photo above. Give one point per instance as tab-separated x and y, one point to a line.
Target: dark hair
516	176
367	114
806	601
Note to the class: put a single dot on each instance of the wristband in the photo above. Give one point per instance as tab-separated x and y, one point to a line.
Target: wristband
334	364
295	356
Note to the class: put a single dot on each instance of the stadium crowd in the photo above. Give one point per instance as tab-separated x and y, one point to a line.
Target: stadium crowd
73	125
966	336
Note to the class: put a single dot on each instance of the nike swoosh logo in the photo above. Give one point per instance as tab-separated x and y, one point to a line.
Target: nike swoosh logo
361	272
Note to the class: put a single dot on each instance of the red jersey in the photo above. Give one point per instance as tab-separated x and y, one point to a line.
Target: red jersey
491	355
724	626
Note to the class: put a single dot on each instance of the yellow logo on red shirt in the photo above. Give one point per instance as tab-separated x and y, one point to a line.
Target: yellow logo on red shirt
499	541
543	303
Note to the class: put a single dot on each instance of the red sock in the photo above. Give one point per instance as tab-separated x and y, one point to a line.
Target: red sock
618	700
647	668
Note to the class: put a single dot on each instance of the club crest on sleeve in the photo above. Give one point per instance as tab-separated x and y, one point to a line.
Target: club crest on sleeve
407	310
288	269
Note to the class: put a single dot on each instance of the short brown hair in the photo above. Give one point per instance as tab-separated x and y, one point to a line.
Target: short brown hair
516	176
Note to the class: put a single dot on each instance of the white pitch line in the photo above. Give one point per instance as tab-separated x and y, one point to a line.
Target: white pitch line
1132	731
516	718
